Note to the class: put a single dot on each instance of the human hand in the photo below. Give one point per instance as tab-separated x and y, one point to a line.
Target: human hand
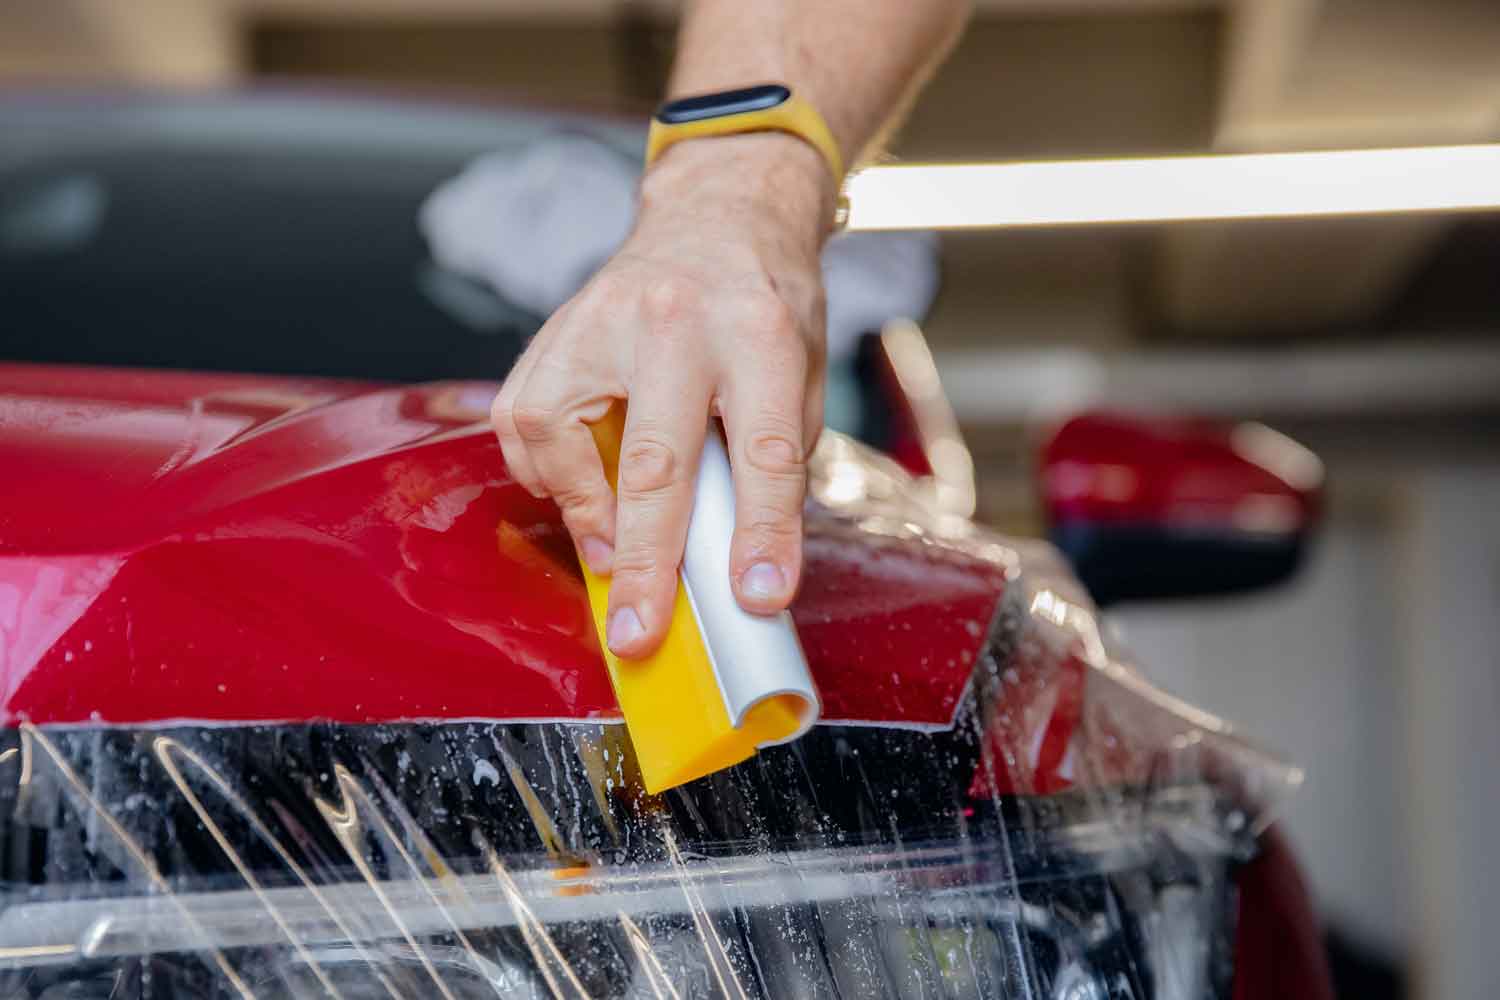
713	307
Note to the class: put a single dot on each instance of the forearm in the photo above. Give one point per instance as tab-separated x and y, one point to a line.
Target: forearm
859	62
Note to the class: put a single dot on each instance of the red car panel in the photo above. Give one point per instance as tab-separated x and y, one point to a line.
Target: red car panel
239	548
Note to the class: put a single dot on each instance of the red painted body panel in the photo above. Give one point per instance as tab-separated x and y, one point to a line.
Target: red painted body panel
237	548
1278	937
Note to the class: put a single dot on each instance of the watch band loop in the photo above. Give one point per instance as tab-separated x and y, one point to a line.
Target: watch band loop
766	108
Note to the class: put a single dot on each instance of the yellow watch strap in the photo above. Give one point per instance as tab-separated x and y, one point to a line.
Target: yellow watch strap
793	115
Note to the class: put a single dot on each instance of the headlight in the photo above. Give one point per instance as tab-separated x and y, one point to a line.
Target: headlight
517	860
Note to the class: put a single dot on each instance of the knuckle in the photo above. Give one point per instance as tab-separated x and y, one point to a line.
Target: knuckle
533	420
648	465
668	299
782	353
581	504
772	316
775	450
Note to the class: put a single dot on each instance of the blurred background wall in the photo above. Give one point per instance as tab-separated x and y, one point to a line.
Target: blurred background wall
1376	341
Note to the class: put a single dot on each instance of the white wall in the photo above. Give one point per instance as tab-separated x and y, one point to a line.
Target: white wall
1378	670
1449	623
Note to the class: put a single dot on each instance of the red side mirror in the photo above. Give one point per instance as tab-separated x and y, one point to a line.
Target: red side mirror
1151	507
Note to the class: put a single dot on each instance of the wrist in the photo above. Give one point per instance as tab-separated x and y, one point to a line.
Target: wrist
773	176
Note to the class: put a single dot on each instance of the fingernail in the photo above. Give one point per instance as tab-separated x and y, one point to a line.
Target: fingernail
625	628
763	581
598	553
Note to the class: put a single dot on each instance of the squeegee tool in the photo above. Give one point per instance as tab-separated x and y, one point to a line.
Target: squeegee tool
724	682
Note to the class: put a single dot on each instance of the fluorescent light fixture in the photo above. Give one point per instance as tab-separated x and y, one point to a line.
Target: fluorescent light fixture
1162	189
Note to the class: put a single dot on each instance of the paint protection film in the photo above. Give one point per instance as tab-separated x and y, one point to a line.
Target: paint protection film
1069	833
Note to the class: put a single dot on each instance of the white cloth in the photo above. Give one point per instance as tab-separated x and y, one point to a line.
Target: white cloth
536	224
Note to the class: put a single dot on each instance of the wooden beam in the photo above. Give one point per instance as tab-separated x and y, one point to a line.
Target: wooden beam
165	42
1296	76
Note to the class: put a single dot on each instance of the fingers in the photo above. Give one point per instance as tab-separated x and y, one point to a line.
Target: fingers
541	417
673	351
664	428
555	433
502	409
766	415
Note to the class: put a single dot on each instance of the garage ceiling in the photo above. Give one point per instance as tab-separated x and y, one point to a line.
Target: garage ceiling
1052	78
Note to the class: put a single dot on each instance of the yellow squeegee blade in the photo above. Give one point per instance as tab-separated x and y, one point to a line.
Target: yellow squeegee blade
671	701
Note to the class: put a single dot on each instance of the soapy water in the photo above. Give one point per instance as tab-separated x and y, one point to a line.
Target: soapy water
1073	835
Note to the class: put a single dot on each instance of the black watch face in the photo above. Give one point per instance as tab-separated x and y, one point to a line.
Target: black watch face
725	102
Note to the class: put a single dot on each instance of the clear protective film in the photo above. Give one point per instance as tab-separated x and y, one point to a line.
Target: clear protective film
1070	833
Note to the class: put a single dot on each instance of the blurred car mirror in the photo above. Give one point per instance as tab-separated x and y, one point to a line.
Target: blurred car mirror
1151	507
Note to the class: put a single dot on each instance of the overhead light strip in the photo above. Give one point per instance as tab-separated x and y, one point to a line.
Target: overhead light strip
1171	189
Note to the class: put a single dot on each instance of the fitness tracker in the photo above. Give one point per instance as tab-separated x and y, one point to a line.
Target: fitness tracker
768	107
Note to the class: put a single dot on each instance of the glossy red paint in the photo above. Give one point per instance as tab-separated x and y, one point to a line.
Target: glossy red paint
239	548
1278	939
1117	468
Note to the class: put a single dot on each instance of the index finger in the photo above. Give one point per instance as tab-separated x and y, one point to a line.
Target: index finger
665	425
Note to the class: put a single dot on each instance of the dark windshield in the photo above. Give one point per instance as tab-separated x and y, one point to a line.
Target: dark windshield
246	235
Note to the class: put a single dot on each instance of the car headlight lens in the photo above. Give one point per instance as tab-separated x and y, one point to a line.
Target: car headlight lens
470	860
